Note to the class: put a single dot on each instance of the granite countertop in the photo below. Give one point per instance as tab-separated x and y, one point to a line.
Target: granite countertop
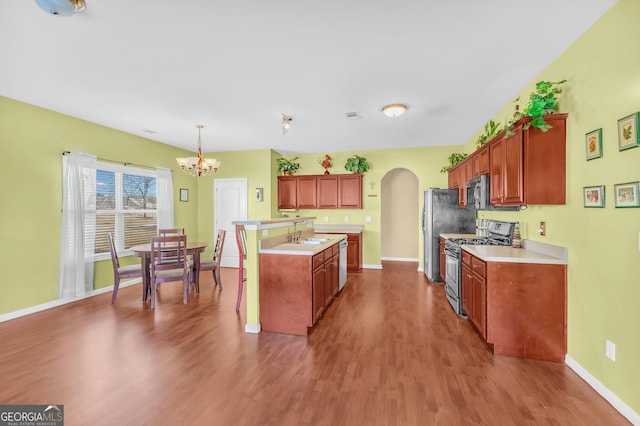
533	252
302	249
445	236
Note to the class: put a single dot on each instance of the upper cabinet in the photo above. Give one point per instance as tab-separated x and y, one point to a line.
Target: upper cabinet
320	191
526	167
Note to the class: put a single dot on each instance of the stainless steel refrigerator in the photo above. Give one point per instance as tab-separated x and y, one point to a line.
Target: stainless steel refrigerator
442	215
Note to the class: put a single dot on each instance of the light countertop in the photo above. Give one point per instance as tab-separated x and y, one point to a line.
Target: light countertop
445	236
302	249
488	253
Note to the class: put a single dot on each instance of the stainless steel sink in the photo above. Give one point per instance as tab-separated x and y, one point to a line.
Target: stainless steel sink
313	241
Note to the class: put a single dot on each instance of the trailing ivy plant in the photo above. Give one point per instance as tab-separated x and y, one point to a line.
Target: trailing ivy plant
542	101
454	159
490	130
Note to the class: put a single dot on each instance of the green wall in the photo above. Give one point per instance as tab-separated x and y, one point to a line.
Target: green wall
32	139
604	285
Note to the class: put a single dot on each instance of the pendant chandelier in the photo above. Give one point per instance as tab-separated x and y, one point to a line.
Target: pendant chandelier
198	166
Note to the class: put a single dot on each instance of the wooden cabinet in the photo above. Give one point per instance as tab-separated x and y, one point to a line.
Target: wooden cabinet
480	160
287	192
320	191
474	294
526	167
295	290
328	192
519	309
306	192
443	260
505	159
354	252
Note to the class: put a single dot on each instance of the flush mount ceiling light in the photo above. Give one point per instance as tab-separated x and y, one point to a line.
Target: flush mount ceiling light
198	166
286	123
61	7
394	110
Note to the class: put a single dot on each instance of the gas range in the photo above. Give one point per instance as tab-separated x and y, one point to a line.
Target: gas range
499	233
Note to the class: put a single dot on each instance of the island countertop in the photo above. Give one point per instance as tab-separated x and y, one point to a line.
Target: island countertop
533	252
298	249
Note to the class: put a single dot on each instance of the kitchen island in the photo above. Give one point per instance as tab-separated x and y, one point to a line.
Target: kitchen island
298	280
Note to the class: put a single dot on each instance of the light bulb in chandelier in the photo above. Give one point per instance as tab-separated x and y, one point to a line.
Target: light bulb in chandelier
198	166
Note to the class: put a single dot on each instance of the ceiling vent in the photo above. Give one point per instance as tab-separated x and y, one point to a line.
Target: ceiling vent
352	115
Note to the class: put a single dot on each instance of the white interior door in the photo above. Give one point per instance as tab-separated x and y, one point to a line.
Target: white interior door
229	204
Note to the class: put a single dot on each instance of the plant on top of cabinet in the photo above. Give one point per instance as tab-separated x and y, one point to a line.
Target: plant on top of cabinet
542	101
288	166
491	129
356	164
326	163
454	159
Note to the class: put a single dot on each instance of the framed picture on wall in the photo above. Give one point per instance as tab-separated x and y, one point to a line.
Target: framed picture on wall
628	136
593	142
626	194
594	196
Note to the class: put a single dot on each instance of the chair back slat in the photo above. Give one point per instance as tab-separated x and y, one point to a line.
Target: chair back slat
170	231
169	252
217	251
114	255
241	239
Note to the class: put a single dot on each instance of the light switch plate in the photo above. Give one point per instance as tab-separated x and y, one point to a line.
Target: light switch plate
265	232
326	218
610	350
368	219
346	218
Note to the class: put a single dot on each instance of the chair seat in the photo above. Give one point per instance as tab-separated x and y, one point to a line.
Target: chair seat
170	273
131	269
208	264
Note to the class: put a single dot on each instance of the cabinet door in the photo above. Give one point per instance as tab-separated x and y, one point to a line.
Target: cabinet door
354	253
496	159
512	180
335	274
318	292
480	304
306	192
350	191
467	291
287	188
481	161
328	192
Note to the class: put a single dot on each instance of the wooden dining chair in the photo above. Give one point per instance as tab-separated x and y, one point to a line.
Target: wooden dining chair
119	272
213	265
241	240
170	231
169	263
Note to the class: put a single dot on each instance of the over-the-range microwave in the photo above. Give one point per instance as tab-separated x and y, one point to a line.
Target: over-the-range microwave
479	196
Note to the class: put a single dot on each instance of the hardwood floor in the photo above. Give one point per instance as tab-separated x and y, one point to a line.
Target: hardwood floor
388	351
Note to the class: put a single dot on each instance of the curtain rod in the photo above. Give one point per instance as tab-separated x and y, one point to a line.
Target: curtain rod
118	162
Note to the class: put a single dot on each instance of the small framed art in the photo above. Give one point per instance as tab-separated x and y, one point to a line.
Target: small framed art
594	196
626	194
628	132
593	141
184	195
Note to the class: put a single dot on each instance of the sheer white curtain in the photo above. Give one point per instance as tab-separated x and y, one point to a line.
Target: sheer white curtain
165	198
78	224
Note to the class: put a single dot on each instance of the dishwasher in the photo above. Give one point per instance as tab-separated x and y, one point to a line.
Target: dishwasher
343	264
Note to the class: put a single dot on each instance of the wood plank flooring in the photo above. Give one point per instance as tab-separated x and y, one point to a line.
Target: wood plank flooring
388	351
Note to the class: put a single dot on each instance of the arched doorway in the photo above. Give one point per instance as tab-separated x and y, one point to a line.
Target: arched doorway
400	216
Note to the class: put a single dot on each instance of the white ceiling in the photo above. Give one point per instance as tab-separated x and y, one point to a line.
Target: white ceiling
164	66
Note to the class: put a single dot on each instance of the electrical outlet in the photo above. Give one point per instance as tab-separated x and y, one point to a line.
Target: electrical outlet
610	350
346	218
265	232
326	218
543	229
368	219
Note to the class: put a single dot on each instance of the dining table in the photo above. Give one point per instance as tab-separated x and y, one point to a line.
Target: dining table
143	251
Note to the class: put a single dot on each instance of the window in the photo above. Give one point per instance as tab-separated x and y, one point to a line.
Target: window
126	205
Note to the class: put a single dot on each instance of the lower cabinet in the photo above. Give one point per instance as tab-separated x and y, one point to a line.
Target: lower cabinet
354	250
295	290
519	309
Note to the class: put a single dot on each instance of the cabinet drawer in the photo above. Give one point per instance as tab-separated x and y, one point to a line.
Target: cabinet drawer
478	266
466	257
318	259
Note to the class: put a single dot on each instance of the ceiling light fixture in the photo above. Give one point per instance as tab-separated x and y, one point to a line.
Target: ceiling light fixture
394	110
286	123
61	7
198	166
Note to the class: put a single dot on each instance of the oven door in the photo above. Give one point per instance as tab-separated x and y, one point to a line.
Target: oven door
453	265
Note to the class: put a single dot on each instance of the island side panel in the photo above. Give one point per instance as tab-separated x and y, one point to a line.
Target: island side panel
285	293
527	310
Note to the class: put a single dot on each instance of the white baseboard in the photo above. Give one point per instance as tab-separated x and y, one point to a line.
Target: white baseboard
60	302
252	328
372	266
616	402
400	259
